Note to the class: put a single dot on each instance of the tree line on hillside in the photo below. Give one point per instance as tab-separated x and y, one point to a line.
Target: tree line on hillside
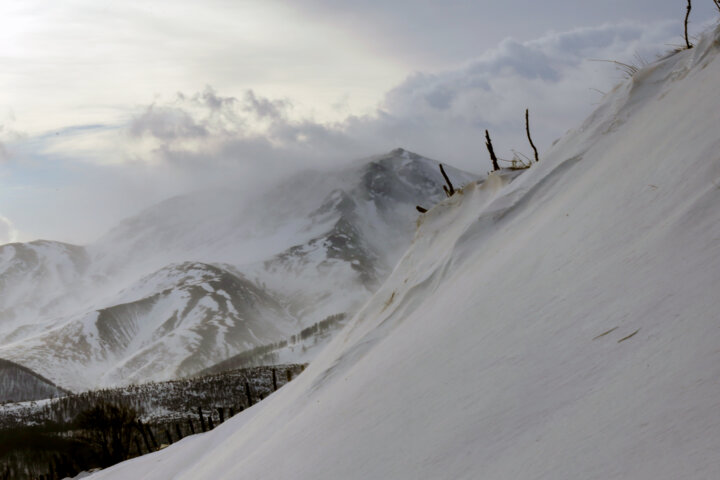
96	429
267	354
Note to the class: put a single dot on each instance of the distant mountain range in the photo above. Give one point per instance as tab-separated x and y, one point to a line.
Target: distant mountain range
199	278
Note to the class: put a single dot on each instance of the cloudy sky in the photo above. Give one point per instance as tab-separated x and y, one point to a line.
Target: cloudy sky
108	106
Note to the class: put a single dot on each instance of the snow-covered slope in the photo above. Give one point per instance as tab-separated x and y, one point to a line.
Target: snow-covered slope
561	326
29	277
169	324
197	279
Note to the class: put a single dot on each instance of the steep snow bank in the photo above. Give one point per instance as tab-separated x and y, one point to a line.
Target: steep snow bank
562	326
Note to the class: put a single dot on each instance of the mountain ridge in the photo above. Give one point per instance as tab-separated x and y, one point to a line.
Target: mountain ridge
20	384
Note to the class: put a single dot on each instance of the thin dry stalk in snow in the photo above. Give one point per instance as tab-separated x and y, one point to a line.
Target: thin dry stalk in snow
489	145
629	69
519	161
449	190
527	130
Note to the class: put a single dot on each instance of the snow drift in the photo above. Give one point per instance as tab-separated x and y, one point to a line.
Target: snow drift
562	325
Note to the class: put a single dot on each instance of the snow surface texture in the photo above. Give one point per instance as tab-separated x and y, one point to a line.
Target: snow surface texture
562	326
197	279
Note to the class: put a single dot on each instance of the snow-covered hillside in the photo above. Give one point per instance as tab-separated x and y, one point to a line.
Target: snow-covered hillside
30	274
197	279
170	324
559	326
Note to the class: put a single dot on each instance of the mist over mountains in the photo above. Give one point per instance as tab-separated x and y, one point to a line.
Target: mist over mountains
197	279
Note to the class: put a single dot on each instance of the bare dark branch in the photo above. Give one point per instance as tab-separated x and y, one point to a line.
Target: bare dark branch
489	145
527	130
687	16
449	190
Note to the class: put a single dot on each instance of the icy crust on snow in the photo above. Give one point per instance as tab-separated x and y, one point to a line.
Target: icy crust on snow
561	326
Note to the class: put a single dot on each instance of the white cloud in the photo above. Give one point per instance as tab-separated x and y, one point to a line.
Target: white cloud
195	140
7	133
554	76
92	61
441	114
8	234
444	113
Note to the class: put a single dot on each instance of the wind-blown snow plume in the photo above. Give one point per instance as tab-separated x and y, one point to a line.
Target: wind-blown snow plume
8	233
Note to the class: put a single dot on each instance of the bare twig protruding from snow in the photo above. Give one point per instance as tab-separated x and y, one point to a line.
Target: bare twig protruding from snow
606	333
629	69
687	16
527	130
449	190
519	161
717	4
489	145
629	336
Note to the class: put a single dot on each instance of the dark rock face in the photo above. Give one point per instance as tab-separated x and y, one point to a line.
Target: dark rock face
20	384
